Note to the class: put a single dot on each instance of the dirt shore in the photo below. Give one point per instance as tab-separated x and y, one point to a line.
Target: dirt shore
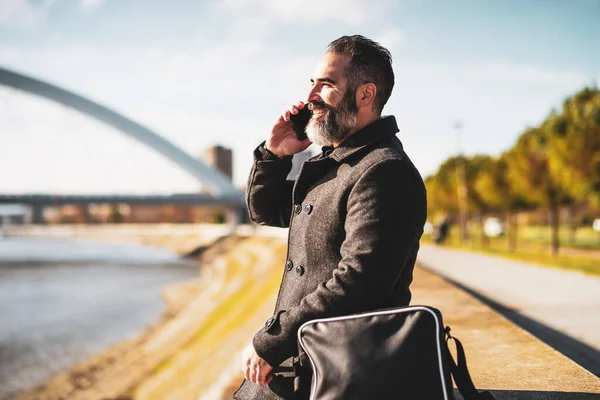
193	351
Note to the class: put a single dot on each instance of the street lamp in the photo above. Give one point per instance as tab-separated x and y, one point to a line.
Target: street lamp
461	187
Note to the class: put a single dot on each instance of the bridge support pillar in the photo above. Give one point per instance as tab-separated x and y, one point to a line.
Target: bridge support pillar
83	216
237	216
37	214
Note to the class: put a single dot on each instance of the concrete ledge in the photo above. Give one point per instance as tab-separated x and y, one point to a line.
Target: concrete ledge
503	358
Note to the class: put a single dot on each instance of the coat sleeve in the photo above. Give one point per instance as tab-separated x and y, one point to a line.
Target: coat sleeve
269	194
386	211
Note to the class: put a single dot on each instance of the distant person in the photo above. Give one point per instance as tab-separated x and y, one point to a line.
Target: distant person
441	231
356	211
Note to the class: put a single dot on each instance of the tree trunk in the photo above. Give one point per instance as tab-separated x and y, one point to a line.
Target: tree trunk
554	225
572	224
573	234
485	240
542	225
511	232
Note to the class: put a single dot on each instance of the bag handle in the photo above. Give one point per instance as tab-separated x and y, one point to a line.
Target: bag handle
301	375
460	372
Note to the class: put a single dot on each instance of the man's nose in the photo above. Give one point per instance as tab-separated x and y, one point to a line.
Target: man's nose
313	95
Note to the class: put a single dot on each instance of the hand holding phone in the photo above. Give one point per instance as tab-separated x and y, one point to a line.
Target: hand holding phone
287	136
300	120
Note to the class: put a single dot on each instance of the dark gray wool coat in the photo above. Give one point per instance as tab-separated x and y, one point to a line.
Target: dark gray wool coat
356	214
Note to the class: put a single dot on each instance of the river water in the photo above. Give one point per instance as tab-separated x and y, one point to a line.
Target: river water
62	301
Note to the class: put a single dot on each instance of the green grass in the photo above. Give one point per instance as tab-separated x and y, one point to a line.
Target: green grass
532	250
584	238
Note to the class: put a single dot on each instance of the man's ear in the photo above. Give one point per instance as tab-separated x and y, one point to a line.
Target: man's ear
365	95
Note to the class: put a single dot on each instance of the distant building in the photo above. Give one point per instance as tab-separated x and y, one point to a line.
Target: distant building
221	158
14	214
297	162
175	214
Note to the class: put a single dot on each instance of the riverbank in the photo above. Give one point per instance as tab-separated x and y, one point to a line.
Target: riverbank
56	315
191	351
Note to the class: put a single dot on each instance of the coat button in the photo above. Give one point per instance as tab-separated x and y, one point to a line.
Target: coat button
269	322
289	265
297	208
308	208
300	270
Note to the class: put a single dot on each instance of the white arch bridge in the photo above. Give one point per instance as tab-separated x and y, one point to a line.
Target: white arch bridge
222	192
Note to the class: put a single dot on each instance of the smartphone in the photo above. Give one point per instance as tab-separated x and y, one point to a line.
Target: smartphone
300	120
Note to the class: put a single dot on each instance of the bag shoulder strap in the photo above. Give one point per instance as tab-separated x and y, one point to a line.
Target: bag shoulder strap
302	376
460	372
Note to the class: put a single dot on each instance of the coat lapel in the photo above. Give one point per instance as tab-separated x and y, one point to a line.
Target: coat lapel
314	169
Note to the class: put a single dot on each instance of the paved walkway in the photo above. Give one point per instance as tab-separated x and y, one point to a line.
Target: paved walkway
562	308
502	358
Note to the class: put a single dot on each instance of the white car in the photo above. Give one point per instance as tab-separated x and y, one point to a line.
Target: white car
493	227
428	228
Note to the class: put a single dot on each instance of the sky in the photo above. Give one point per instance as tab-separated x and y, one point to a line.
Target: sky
202	73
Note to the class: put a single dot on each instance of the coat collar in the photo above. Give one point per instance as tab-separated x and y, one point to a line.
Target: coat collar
374	132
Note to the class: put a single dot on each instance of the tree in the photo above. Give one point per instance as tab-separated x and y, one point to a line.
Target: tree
529	175
115	216
551	165
442	188
477	206
574	149
493	187
574	146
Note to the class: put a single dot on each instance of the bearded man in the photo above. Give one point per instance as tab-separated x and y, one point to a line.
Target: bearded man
355	212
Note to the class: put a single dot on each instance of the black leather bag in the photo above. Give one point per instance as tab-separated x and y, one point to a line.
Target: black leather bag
399	353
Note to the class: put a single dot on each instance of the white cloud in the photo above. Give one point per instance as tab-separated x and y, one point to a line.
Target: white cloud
250	26
9	55
391	39
209	62
354	12
90	5
505	73
52	149
349	11
22	13
21	106
218	94
495	101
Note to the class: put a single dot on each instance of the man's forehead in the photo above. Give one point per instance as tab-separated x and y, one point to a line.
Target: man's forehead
332	66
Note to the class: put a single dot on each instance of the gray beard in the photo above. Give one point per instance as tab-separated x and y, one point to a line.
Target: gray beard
332	127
